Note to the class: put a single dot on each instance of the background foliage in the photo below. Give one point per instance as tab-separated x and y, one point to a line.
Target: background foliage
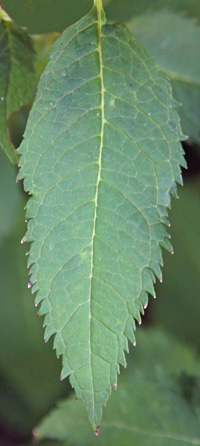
27	391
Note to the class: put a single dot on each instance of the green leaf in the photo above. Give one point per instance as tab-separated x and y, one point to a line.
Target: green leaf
178	308
100	158
42	46
29	391
157	349
46	16
163	34
152	407
123	10
17	77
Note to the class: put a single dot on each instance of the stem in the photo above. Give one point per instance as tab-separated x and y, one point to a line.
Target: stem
98	4
4	16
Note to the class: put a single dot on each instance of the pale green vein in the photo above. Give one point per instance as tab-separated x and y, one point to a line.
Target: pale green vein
99	9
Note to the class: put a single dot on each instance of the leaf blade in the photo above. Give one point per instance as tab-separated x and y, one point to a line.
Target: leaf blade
87	101
17	78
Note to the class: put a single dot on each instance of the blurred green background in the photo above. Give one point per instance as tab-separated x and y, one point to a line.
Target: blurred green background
42	16
29	370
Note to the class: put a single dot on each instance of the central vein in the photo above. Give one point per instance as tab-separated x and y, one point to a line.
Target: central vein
99	9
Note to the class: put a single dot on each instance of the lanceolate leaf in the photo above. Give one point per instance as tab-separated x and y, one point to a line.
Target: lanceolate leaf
100	157
16	78
163	34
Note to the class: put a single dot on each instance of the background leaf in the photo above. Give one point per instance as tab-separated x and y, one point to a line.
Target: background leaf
27	391
42	46
100	185
44	16
151	407
123	10
17	77
178	307
174	42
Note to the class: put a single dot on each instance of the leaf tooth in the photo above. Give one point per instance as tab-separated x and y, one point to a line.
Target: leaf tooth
66	371
144	299
45	307
126	349
173	190
58	344
134	311
129	329
165	220
20	175
96	432
39	298
167	244
147	280
138	303
121	355
156	268
34	288
114	371
47	319
33	272
30	261
48	332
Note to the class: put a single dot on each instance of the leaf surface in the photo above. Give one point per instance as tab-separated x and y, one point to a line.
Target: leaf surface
164	35
17	77
152	407
100	158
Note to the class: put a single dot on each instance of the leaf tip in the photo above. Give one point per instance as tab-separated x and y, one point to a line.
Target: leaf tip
30	284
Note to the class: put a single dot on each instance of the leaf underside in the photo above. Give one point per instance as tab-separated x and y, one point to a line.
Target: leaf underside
100	158
16	79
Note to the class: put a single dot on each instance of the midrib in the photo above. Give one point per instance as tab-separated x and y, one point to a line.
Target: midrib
99	24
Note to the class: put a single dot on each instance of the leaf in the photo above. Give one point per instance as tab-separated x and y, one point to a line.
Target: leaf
152	407
46	16
17	77
179	307
124	10
9	197
100	158
42	46
163	34
158	349
24	360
